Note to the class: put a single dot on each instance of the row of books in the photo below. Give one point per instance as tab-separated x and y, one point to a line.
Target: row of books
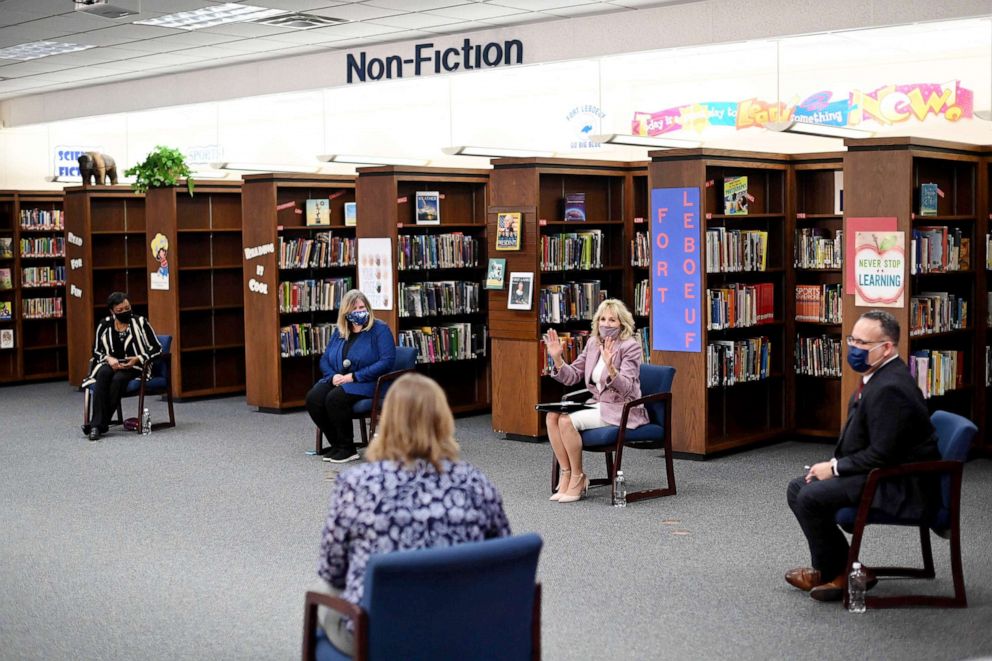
570	301
572	344
815	248
312	295
42	308
740	305
819	356
43	246
322	251
642	298
937	372
729	363
569	251
422	299
731	250
304	339
440	344
937	312
43	276
42	219
939	249
819	303
640	250
436	251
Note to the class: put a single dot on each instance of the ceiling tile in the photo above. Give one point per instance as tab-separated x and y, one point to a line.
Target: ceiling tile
180	41
517	19
251	45
121	34
539	5
164	60
246	30
476	11
415	21
461	26
585	10
352	31
31	68
11	17
356	12
36	7
415	5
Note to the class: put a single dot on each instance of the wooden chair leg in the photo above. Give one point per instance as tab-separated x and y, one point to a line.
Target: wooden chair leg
318	447
555	472
365	431
141	409
86	406
927	550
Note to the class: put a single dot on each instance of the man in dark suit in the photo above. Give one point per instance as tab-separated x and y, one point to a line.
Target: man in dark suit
887	425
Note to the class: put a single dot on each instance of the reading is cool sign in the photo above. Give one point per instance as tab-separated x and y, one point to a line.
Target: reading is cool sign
879	269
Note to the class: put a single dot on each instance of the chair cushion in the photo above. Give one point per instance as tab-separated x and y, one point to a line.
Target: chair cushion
324	651
152	386
362	407
607	436
845	519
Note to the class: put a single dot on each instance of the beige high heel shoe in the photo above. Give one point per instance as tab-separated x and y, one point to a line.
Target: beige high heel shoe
561	480
582	491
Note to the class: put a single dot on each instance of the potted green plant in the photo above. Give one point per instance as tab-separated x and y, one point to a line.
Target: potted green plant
163	167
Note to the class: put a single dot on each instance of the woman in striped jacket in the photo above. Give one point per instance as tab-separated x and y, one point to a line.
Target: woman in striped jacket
124	343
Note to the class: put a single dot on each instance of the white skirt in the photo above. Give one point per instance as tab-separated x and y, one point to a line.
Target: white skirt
587	419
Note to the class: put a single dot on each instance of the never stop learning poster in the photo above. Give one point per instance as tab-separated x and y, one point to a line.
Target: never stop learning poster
676	310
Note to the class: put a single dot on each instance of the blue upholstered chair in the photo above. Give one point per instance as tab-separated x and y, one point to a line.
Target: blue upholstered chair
366	411
656	391
470	601
955	435
155	379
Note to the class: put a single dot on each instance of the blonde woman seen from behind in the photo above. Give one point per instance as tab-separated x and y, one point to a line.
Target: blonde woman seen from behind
610	365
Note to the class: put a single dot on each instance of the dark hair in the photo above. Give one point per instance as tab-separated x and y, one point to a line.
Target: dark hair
116	299
890	327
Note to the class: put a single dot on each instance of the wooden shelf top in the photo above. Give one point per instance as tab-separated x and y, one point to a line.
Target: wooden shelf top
301	179
424	173
741	216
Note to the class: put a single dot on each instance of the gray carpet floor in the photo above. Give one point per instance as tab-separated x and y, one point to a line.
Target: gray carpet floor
199	542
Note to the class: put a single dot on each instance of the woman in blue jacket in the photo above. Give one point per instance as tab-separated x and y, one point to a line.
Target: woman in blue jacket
360	350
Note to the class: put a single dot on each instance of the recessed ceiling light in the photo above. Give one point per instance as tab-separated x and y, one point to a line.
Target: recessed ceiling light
36	49
301	21
206	17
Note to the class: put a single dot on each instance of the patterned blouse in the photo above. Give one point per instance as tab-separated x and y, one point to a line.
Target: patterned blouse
381	507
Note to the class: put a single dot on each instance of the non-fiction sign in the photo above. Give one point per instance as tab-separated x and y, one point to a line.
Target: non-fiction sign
880	269
676	310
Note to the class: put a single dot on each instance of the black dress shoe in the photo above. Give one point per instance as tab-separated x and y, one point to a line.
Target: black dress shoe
86	429
94	434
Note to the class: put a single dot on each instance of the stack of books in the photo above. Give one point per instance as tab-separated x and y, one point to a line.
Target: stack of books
939	249
572	251
304	339
731	362
816	249
43	276
322	251
640	250
937	372
572	345
730	250
819	356
642	298
42	308
41	219
741	305
43	246
436	251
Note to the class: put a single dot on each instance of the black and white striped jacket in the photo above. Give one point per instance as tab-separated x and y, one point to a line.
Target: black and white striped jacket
140	342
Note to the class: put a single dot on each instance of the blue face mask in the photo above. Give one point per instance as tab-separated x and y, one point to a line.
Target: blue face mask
358	317
857	358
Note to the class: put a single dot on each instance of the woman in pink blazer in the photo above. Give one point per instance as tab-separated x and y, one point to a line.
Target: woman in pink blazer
610	363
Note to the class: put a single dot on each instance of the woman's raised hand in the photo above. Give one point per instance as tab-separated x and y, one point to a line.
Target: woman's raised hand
607	348
553	344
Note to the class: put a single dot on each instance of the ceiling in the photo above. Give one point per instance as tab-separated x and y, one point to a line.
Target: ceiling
124	50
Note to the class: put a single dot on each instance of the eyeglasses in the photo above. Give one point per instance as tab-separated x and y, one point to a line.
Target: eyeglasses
858	342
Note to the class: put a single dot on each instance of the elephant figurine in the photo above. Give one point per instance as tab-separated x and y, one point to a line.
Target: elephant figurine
98	166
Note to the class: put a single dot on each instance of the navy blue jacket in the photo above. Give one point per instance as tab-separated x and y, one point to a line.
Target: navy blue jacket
371	356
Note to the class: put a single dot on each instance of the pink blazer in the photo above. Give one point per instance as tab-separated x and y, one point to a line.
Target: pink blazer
626	387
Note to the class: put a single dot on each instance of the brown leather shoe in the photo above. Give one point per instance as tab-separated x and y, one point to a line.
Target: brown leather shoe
804	578
832	591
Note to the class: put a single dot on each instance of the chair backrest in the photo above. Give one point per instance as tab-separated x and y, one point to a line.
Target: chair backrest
954	436
406	357
161	367
655	379
467	601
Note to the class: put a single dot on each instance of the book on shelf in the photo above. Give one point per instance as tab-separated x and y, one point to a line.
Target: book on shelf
739	361
937	372
43	246
42	219
297	340
929	194
6	281
508	230
642	298
570	301
6	310
988	251
318	213
6	338
838	192
439	344
733	250
819	303
575	207
740	305
447	297
819	356
42	308
570	251
350	214
815	248
312	295
937	312
640	250
735	196
939	249
572	344
428	207
496	273
322	251
6	247
42	276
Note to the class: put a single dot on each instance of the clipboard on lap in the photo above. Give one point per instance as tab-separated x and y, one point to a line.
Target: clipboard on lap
562	407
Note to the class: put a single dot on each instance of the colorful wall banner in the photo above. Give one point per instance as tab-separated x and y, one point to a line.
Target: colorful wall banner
676	310
880	269
886	105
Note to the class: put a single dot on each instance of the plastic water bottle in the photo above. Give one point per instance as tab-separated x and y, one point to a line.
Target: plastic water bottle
146	423
857	582
620	491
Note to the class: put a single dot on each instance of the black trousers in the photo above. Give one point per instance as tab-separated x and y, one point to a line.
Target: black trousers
107	391
815	505
330	409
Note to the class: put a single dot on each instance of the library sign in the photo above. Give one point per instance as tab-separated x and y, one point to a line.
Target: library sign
879	269
426	59
676	319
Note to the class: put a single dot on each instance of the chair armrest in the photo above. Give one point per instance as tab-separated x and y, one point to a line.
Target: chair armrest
380	386
876	475
356	614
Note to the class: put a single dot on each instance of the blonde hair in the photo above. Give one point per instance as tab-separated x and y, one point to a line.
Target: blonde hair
348	301
416	423
620	311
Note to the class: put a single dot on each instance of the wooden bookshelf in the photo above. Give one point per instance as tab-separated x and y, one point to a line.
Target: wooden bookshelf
983	281
10	359
203	309
110	222
386	199
719	418
536	188
637	287
883	177
274	210
813	213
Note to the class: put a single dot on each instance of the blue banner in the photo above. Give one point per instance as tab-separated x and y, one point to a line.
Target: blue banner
676	310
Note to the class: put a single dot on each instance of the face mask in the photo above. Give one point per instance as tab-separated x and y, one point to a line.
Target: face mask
358	317
123	317
609	332
857	358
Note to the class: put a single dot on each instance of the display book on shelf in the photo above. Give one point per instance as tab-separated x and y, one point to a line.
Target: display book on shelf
33	336
435	219
198	298
105	252
294	278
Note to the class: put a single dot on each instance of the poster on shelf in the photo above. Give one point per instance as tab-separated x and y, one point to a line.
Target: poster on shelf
676	322
375	272
851	227
879	269
159	279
